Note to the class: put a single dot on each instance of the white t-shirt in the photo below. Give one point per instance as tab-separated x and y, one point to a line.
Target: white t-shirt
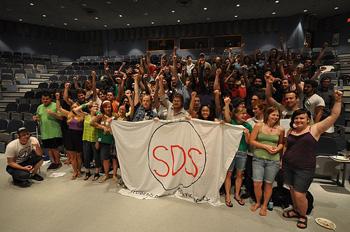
312	102
19	151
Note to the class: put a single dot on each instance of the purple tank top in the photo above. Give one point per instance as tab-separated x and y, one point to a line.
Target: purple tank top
75	125
301	152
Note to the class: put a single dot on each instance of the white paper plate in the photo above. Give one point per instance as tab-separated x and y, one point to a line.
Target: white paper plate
328	224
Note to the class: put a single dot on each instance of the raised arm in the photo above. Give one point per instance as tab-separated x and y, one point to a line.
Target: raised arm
59	107
94	91
319	128
191	108
136	89
268	91
227	113
65	94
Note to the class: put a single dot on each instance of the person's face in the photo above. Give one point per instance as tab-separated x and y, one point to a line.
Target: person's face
24	137
146	102
177	103
81	97
102	96
173	82
301	121
257	111
285	84
254	100
205	112
325	83
307	89
197	102
195	72
241	106
93	109
122	110
258	82
107	108
110	96
45	100
74	106
307	63
189	60
240	117
290	100
273	117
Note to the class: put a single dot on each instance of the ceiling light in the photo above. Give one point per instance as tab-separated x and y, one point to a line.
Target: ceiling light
105	25
277	1
84	4
273	13
305	10
208	19
65	24
152	22
145	14
205	8
44	15
336	8
178	20
62	7
109	2
173	11
20	20
96	18
120	16
128	24
75	19
236	16
31	4
238	5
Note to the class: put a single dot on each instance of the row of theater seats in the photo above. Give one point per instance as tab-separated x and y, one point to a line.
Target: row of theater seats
6	56
9	127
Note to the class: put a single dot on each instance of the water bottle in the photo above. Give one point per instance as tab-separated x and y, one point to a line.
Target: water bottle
270	205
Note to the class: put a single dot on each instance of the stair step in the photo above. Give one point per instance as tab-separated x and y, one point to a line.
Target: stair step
7	100
12	94
29	86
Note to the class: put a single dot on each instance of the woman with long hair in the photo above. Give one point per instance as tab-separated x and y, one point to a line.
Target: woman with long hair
299	159
267	142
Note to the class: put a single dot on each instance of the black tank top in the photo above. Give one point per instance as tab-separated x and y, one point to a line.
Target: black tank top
301	152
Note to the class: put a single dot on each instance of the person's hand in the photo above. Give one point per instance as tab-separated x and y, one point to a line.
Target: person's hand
57	95
246	132
67	85
36	146
193	94
218	71
28	168
93	73
227	100
338	95
268	77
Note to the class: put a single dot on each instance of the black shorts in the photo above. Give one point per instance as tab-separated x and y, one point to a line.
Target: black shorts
74	141
300	180
52	143
107	151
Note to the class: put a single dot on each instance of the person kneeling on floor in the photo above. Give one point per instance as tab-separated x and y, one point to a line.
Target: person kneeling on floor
24	158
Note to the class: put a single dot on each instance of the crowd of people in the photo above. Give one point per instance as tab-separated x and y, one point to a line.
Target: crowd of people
255	91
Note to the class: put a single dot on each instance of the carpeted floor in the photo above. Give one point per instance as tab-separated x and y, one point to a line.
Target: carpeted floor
64	205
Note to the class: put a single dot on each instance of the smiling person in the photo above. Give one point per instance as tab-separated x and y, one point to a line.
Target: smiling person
299	159
267	142
24	157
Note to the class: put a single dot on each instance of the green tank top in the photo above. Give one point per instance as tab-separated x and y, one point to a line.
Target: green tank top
269	140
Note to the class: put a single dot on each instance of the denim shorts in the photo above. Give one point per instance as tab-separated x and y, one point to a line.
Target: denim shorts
300	180
265	170
239	161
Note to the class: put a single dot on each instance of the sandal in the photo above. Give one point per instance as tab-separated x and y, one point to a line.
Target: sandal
302	222
96	176
106	177
239	201
290	214
229	204
87	176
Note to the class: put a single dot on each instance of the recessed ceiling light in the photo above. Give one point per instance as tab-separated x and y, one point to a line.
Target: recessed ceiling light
208	19
75	19
44	15
152	22
65	24
20	20
238	5
277	1
96	18
305	10
120	16
273	13
109	2
205	8
145	14
31	4
236	16
336	8
173	11
62	7
105	25
84	4
178	20
128	24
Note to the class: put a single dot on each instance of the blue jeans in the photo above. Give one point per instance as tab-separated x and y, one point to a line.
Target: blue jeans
239	161
265	170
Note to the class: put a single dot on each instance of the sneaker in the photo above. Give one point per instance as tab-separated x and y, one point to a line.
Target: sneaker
37	177
22	184
52	166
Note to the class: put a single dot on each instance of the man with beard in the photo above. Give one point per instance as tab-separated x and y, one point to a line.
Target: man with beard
313	102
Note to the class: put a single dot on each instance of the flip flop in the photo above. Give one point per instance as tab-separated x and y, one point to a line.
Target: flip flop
288	214
239	201
229	204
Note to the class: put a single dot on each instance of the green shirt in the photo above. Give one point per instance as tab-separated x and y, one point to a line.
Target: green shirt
49	126
269	140
243	146
90	132
102	137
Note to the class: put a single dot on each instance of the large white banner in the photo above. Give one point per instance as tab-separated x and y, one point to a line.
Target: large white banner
188	159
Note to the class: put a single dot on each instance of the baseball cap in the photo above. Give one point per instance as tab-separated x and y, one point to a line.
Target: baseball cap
22	129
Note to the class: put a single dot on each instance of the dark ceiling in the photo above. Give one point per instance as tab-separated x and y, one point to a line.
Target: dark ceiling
104	14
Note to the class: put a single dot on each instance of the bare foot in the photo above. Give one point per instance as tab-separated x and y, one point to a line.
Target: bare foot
115	178
254	207
74	176
263	211
104	178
